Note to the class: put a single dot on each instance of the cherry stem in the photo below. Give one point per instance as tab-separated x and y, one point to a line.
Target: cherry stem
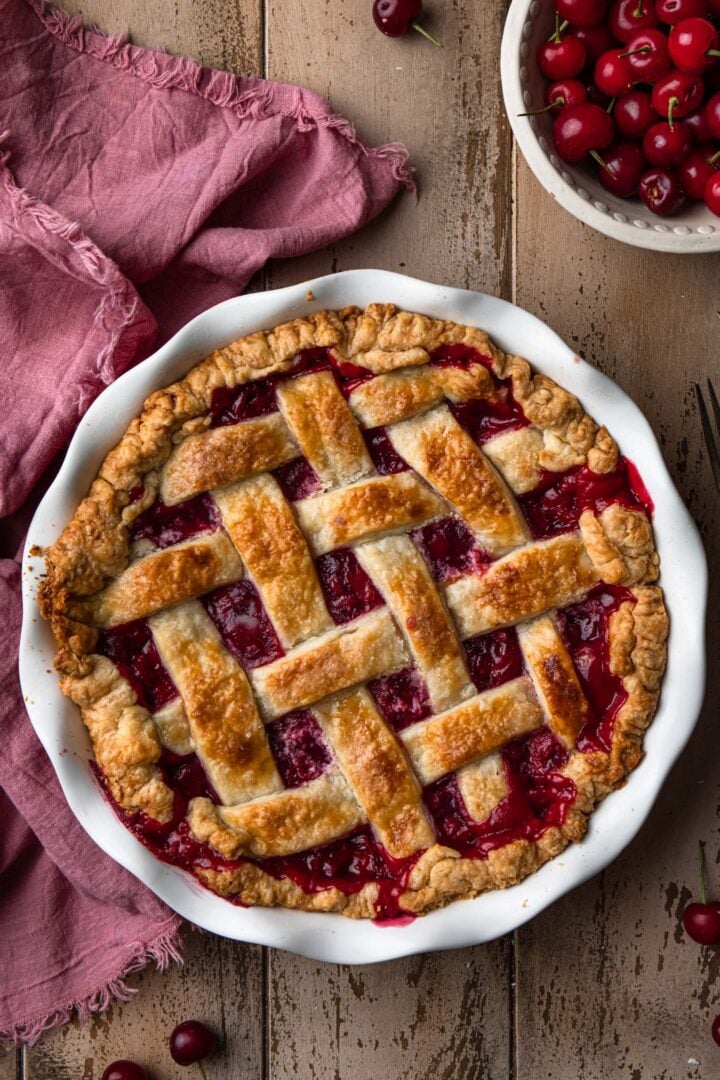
596	157
637	52
421	30
611	105
703	881
559	27
713	52
713	158
559	101
639	12
672	104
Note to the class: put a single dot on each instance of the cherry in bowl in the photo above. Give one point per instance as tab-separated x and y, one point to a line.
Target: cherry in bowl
580	129
621	167
661	191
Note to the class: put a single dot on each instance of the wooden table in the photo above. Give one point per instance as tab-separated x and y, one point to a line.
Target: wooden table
604	984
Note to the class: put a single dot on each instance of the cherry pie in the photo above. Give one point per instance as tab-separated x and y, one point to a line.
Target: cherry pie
360	616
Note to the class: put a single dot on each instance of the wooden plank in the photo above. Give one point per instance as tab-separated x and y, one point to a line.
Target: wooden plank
220	984
219	33
444	1015
607	982
10	1062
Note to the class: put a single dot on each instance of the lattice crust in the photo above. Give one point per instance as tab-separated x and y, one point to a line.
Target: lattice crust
269	543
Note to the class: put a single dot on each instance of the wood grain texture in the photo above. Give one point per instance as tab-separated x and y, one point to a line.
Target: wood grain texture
607	983
10	1062
221	983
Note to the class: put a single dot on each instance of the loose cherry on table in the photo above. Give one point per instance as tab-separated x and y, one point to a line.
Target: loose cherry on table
715	1030
693	45
671	12
677	94
702	920
396	17
629	16
647	55
561	57
613	75
661	191
634	114
124	1070
712	193
579	130
696	170
622	166
665	145
190	1043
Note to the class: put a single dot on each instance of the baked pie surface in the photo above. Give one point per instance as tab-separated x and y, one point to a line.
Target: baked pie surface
361	616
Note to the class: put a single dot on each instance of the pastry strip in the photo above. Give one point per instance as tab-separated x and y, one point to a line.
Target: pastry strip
556	682
473	729
348	655
263	528
437	447
168	577
321	421
399	572
295	819
483	785
528	582
366	510
224	455
375	765
226	729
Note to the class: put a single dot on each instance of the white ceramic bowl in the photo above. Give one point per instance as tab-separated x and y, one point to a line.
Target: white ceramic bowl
694	229
331	937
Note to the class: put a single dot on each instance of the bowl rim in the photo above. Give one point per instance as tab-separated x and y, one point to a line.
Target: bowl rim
332	937
644	236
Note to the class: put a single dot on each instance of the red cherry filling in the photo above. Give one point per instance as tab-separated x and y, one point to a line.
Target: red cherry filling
349	592
538	798
244	626
458	355
299	748
584	628
297	479
165	525
132	649
384	456
184	773
483	418
555	505
450	549
401	697
494	658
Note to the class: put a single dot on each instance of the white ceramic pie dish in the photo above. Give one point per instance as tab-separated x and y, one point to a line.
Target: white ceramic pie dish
575	187
613	825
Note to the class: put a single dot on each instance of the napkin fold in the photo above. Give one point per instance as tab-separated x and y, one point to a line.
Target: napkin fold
136	190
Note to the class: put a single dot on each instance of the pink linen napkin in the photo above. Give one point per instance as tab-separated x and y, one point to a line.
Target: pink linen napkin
136	189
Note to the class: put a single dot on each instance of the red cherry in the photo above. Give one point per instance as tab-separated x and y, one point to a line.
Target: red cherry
580	129
712	201
191	1041
695	171
596	39
674	11
633	114
622	166
677	94
612	73
396	17
582	12
712	116
124	1070
702	921
693	45
713	7
715	1030
665	145
647	55
629	16
698	127
565	92
661	192
562	59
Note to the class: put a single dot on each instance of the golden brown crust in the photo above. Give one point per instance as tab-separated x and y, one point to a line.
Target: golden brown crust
162	450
